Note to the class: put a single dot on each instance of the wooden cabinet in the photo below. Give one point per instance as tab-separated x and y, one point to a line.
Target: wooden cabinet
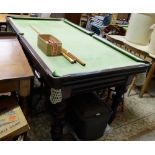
73	17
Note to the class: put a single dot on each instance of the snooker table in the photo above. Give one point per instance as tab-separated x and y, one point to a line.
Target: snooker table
106	65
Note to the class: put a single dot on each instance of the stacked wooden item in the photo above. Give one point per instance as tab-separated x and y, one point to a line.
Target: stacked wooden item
12	120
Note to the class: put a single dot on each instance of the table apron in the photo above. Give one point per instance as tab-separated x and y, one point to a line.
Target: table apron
96	85
21	85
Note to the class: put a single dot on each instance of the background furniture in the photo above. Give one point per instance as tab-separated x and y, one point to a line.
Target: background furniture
73	17
13	124
15	72
138	50
117	18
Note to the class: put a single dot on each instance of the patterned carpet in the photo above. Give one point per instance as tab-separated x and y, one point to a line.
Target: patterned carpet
137	118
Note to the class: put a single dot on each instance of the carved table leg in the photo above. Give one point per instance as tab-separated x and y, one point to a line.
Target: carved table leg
117	98
58	113
24	91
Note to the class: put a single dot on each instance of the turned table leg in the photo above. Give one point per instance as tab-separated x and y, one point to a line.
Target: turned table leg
24	92
148	79
58	113
117	99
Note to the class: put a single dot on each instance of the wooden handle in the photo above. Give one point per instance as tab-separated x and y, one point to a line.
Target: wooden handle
68	58
77	59
73	57
35	29
67	53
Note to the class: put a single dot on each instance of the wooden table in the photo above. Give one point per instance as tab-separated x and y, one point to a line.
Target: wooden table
15	72
3	21
116	39
4	15
138	50
3	26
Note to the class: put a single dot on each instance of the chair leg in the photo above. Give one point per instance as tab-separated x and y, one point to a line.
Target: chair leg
131	86
41	87
148	79
122	108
